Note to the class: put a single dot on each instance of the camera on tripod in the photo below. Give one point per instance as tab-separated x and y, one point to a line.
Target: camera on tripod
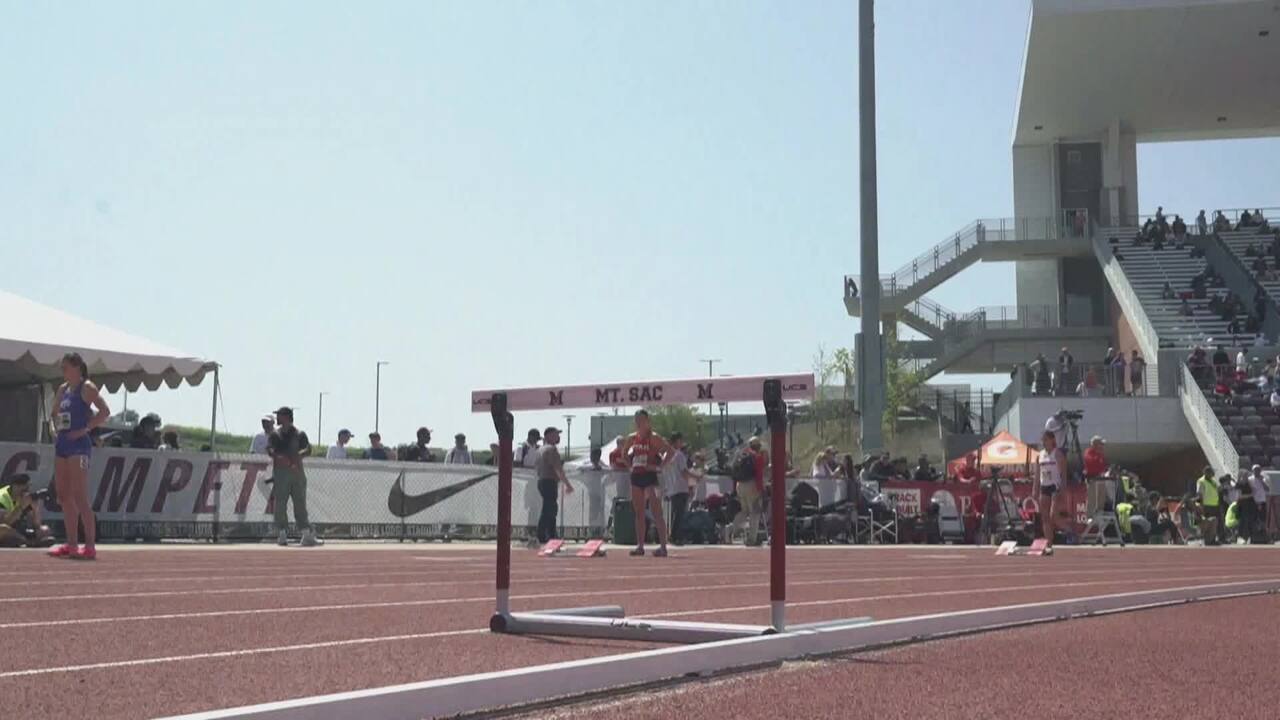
1074	416
41	494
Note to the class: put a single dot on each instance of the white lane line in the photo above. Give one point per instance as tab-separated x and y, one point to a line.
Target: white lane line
937	593
236	653
535	596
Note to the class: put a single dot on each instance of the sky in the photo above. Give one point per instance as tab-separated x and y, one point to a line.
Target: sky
493	194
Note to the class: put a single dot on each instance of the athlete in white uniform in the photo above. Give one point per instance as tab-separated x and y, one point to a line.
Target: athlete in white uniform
1053	463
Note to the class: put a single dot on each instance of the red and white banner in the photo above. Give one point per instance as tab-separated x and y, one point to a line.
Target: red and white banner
658	392
912	497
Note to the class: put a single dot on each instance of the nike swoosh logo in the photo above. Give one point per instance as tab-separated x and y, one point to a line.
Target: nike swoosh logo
402	505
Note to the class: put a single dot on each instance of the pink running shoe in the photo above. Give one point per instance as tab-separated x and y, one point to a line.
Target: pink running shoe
86	553
61	551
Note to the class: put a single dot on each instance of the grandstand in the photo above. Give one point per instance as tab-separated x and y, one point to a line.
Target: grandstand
1090	273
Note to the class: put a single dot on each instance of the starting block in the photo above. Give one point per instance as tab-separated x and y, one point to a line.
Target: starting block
593	548
1039	547
551	548
1008	547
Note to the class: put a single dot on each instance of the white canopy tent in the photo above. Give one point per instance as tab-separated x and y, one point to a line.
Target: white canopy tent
34	337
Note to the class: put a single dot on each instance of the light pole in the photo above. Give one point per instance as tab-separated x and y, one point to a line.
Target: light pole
320	418
377	396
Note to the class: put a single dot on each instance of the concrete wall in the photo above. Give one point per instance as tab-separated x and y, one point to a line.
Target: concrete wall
1035	195
1137	421
1119	175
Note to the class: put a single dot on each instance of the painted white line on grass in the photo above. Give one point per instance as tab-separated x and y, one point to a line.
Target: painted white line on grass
236	653
578	593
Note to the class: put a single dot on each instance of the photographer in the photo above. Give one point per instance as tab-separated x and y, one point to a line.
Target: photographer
20	515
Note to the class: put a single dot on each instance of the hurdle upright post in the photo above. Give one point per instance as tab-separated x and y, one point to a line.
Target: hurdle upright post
504	423
776	413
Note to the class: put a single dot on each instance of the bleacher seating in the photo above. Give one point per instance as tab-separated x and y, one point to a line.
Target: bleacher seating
1238	241
1251	424
1148	270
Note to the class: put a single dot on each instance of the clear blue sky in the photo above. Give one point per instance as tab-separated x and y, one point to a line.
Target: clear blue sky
500	193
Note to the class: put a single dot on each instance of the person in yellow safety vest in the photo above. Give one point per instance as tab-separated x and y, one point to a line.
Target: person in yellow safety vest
1211	510
1124	511
1233	516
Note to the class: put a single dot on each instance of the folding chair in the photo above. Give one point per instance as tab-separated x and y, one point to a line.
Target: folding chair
1102	511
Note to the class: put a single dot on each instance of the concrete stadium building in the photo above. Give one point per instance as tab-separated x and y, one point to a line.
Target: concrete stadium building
1099	77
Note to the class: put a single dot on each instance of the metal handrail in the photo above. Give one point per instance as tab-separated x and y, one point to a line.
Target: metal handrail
1127	299
1072	223
1218	446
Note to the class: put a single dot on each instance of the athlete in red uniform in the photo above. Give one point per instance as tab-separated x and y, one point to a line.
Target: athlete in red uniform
646	452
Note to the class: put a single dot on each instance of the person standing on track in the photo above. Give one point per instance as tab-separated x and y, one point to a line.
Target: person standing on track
646	452
287	447
750	488
550	470
1053	463
72	424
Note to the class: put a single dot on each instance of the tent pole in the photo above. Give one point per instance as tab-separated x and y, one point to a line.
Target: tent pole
213	448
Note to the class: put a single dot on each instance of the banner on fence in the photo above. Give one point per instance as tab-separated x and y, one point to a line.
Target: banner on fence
149	494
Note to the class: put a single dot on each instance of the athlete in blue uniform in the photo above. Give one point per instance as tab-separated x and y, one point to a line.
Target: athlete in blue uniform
73	420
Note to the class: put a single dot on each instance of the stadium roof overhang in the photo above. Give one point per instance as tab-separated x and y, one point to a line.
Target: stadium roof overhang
1166	69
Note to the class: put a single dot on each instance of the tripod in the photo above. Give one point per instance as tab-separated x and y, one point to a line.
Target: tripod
998	501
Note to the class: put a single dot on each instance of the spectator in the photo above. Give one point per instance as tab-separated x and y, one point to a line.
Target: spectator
619	470
1166	292
593	479
20	522
1117	373
1261	490
1234	327
924	472
1242	362
1159	214
170	441
525	454
146	436
1246	221
1179	229
458	454
1211	511
1137	373
420	452
1057	425
676	483
377	451
1089	387
1220	222
966	419
1095	459
494	450
258	446
1275	400
1040	373
1221	362
750	489
969	471
287	447
1185	309
1066	368
550	471
1202	225
826	472
339	451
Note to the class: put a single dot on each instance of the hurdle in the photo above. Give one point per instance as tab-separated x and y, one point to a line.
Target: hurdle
772	390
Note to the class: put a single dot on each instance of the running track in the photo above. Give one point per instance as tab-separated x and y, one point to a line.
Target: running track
165	630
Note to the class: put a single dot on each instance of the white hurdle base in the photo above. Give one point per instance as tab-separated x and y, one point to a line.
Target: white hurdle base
617	627
487	691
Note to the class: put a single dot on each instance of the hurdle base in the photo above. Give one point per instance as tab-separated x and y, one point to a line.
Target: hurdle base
611	626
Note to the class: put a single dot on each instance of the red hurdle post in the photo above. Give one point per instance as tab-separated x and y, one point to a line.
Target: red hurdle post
776	412
505	425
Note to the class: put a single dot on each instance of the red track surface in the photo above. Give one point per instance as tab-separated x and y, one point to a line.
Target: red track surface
1156	663
160	631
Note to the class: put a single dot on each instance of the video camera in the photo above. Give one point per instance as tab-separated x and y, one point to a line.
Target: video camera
41	494
1074	416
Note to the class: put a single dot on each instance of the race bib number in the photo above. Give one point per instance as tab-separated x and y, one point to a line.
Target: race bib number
63	421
